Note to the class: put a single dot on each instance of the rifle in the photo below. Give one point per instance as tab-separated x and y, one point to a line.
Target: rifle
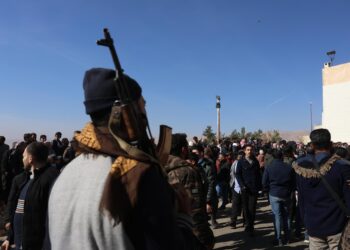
129	113
126	115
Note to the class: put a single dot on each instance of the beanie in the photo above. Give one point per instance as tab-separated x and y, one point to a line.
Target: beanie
100	89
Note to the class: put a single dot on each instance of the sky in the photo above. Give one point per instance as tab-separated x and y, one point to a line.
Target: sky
264	58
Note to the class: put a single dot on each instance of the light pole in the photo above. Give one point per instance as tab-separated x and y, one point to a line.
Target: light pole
218	106
311	116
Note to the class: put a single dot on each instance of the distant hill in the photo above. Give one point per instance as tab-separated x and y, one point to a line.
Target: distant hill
294	135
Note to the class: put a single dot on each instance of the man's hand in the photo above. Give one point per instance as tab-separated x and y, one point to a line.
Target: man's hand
5	245
7	226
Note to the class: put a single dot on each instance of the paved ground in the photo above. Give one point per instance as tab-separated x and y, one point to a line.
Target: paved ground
228	238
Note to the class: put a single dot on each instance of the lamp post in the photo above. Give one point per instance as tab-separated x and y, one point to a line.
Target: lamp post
311	116
331	55
218	106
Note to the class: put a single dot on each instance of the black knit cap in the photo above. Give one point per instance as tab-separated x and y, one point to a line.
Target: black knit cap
100	92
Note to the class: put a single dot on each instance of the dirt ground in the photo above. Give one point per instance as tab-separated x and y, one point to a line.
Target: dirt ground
228	238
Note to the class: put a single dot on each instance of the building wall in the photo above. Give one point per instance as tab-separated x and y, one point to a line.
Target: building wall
336	101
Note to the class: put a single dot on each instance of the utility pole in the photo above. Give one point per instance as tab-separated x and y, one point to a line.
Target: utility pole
218	106
311	124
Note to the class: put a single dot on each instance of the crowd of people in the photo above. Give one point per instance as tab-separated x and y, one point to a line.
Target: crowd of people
236	172
103	191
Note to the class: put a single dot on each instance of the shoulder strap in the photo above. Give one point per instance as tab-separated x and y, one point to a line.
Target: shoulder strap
335	196
332	192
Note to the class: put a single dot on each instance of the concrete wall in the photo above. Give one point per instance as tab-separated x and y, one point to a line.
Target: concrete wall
336	101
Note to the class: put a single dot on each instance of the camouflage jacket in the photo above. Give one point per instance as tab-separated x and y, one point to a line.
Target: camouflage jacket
180	171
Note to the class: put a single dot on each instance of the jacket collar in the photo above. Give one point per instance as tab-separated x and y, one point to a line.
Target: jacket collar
315	166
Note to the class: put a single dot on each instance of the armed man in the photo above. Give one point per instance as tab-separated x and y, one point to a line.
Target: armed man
115	195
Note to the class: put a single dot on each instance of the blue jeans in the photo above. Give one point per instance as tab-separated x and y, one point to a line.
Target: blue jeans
222	191
280	209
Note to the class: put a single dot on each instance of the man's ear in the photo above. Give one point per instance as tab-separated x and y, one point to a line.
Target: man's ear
30	159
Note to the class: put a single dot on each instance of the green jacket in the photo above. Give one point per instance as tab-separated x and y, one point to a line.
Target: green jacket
180	171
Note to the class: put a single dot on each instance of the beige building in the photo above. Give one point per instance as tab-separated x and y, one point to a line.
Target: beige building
336	101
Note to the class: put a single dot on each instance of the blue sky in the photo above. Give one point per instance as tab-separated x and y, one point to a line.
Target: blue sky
263	57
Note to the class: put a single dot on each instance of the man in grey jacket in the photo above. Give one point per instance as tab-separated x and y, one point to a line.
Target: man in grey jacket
107	198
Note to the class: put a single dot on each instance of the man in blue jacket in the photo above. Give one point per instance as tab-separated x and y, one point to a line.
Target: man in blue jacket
323	218
279	181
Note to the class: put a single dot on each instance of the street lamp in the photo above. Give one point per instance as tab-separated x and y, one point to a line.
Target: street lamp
218	106
311	123
331	55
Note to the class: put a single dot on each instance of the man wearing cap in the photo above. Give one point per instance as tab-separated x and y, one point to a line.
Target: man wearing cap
108	198
323	217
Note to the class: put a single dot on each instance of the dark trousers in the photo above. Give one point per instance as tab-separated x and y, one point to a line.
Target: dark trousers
249	201
236	206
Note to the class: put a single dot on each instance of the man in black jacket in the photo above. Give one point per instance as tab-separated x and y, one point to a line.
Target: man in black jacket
28	199
249	180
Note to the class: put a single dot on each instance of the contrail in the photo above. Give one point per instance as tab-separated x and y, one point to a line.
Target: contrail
276	101
279	100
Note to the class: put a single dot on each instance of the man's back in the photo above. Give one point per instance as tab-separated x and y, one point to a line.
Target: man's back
208	167
322	215
75	221
141	201
179	171
279	179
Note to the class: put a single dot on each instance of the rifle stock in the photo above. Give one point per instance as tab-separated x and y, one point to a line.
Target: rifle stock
164	144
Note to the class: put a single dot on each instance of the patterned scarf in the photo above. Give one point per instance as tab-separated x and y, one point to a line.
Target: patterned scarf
94	140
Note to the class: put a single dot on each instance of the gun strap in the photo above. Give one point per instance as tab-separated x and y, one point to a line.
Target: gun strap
335	196
133	151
